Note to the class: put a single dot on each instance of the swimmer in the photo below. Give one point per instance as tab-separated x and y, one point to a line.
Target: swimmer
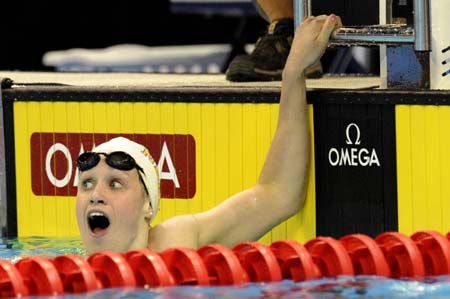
118	191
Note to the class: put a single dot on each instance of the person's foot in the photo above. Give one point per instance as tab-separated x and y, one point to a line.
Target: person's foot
268	58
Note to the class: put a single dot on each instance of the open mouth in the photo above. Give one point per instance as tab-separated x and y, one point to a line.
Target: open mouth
98	222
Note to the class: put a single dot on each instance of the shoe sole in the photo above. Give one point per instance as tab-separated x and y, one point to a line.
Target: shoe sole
314	75
243	70
245	75
249	75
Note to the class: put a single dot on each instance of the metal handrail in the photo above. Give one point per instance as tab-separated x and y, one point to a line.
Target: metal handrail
378	34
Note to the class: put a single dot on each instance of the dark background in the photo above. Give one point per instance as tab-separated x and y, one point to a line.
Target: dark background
31	28
355	199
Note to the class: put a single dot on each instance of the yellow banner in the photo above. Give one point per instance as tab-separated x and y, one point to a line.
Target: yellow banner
231	143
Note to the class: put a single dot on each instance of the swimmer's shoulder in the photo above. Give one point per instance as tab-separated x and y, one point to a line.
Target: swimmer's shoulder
178	231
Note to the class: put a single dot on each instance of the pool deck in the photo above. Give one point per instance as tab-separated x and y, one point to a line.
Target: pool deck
170	81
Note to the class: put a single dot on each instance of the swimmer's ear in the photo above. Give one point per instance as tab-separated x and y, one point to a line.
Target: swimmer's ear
148	213
148	217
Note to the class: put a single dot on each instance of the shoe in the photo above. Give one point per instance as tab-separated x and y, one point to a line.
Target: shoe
268	58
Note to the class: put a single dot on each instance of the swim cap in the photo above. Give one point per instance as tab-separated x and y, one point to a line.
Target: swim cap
143	158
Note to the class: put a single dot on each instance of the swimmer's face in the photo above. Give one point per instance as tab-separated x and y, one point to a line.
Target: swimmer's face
112	209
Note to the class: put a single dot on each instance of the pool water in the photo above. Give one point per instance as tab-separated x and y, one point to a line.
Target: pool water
18	248
336	287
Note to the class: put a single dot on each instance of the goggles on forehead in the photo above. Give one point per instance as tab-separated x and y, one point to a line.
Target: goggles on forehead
118	160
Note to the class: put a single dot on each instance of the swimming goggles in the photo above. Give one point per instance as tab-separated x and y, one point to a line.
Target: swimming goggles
118	160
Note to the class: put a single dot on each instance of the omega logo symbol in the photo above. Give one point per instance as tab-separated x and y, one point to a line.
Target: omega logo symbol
358	134
354	155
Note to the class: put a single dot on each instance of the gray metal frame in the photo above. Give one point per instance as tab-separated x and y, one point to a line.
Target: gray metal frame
380	35
404	41
3	200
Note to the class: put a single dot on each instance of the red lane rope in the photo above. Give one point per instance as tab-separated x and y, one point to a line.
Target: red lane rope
295	261
149	268
258	261
186	266
402	254
367	257
76	274
224	267
330	256
390	254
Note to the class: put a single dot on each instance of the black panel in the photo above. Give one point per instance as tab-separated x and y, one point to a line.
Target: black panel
11	205
355	176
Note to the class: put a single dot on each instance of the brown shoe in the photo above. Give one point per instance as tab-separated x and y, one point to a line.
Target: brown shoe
269	56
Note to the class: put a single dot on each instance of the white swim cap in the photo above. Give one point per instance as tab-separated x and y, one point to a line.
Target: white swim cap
143	158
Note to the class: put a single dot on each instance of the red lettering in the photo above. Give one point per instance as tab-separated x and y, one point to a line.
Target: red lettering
52	152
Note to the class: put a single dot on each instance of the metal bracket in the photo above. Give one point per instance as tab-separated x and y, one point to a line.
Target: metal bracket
412	41
4	83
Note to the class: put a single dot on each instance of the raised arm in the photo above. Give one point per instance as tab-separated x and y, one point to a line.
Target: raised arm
281	187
